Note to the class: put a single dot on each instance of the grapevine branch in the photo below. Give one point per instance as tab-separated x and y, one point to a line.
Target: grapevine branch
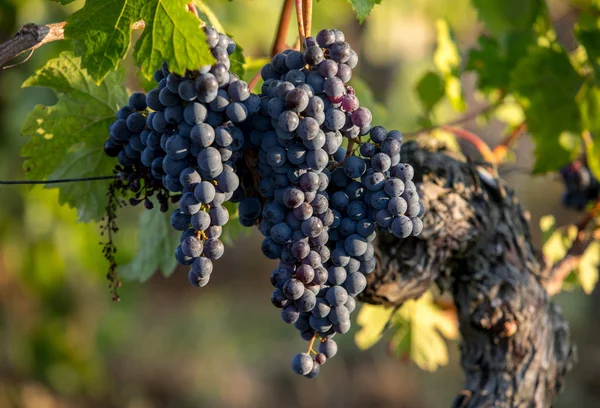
476	246
458	121
501	150
32	36
559	271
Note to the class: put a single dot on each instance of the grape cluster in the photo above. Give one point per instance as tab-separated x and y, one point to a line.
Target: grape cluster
190	141
318	216
294	159
581	185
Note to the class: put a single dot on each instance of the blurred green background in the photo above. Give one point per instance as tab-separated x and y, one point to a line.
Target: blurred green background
64	343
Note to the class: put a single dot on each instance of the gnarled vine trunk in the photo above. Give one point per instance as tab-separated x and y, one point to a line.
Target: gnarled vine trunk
476	245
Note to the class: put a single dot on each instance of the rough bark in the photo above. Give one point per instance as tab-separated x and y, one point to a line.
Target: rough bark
476	245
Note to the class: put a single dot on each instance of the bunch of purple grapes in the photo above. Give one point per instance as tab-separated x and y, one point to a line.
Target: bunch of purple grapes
280	155
318	219
185	131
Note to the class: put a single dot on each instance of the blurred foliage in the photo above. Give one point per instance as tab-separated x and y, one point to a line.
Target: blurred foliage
556	243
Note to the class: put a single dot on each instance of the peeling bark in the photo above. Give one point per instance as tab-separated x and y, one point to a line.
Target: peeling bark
476	245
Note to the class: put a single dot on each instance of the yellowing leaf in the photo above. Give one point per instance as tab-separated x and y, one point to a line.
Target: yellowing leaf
447	60
446	56
372	320
419	328
423	327
587	272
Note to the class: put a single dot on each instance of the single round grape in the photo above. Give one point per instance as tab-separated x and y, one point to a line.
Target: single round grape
336	296
179	220
293	289
205	192
401	226
354	166
290	314
213	249
302	364
202	267
192	247
417	226
306	302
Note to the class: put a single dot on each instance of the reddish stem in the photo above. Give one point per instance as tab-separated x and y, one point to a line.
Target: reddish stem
300	18
282	29
308	6
475	140
501	150
254	81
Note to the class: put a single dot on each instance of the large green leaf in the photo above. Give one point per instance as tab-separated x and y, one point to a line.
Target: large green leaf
63	2
79	119
547	85
494	60
172	34
101	33
501	16
363	7
157	243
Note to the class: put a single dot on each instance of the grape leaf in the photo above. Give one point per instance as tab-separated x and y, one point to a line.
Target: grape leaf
430	89
501	16
101	34
587	32
363	7
447	60
157	243
552	117
372	320
89	198
80	118
418	330
172	34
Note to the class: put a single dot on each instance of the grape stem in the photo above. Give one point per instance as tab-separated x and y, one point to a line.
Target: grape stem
282	28
312	341
561	269
308	6
56	181
300	18
461	120
191	7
